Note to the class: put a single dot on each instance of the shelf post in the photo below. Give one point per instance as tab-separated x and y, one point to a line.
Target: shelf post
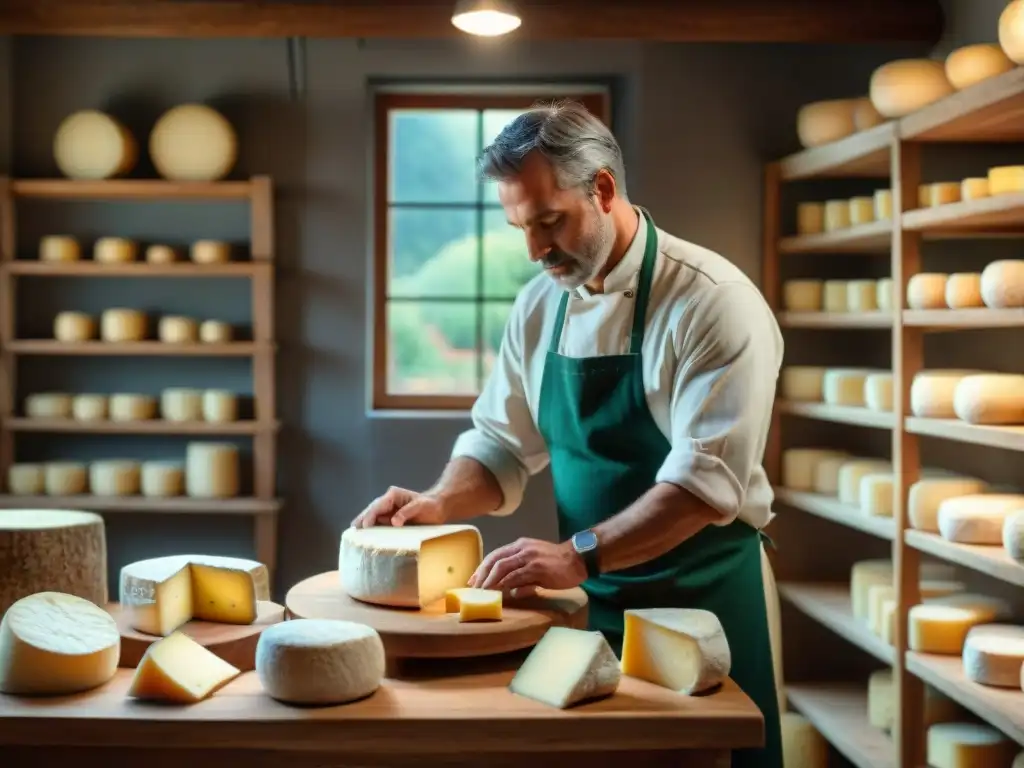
8	365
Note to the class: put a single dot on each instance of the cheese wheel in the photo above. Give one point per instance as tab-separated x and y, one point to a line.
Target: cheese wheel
862	210
974	188
990	398
821	122
880	595
802	743
121	325
66	478
837	215
26	480
906	85
1013	535
1011	31
810	218
1006	180
173	329
884	293
845	386
883	204
798	466
924	195
802	383
115	250
927	290
941	625
865	574
215	332
114	477
210	252
994	655
938	708
878	392
861	296
943	193
73	327
193	142
974	63
125	406
59	249
48	405
865	115
932	392
319	661
826	474
161	254
851	473
963	290
835	295
179	404
1002	284
220	406
89	407
977	518
926	495
92	145
162	479
966	744
802	295
876	494
211	470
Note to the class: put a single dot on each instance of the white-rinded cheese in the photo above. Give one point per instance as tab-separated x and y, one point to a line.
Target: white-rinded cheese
974	188
89	407
862	210
193	142
319	661
164	593
114	477
978	518
220	406
810	218
835	295
826	473
932	392
963	290
73	326
161	254
865	115
127	406
994	655
845	386
837	215
474	604
173	329
409	566
802	295
938	708
162	479
802	745
943	192
968	745
861	296
48	405
180	404
90	144
1002	284
941	625
178	670
1011	32
210	252
883	204
211	470
1006	180
905	85
569	667
821	122
1013	535
878	392
850	474
990	398
123	325
115	250
802	383
46	550
799	464
26	479
53	643
215	332
973	63
863	575
59	248
927	290
926	495
684	649
66	478
884	294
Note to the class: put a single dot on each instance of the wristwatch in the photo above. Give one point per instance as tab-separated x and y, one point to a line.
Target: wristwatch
585	544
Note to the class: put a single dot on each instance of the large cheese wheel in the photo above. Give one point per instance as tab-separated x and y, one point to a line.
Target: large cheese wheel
883	204
977	518
114	477
1013	535
963	290
837	215
1006	180
990	398
161	254
845	386
162	479
215	332
878	391
115	250
180	404
174	329
59	249
48	405
906	85
802	295
119	325
73	327
66	478
884	294
974	63
90	407
211	470
862	210
802	383
932	392
851	473
798	466
26	479
994	654
219	406
1002	284
941	624
802	743
821	122
926	495
210	252
193	142
129	406
810	218
927	290
1011	31
861	296
865	115
967	744
92	145
834	297
45	550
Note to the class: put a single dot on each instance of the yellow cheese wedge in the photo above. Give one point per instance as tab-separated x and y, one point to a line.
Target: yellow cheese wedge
474	604
179	670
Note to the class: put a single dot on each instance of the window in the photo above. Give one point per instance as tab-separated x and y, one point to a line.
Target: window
448	264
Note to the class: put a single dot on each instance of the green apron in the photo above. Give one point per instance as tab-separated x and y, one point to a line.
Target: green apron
606	450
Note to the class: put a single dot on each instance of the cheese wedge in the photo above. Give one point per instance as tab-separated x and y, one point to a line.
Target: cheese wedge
179	670
474	604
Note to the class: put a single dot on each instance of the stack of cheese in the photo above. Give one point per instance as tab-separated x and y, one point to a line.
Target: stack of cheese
819	295
813	218
999	286
869	388
873	591
121	325
65	249
999	180
862	483
976	397
176	404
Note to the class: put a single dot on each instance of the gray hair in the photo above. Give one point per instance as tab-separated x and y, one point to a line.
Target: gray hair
576	143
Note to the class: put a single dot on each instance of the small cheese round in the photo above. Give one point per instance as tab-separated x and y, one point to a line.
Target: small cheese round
59	249
862	210
876	498
861	296
121	325
845	386
173	329
161	254
74	327
826	474
215	332
1002	284
1011	31
927	290
943	193
114	477
26	479
115	250
180	404
48	405
883	204
979	518
211	470
802	295
92	145
990	398
835	295
129	406
810	218
219	406
884	294
865	115
90	407
210	252
851	473
941	624
924	195
932	392
906	85
963	290
802	743
66	478
926	496
799	464
878	391
993	655
968	744
319	661
974	188
802	383
1013	535
973	63
821	122
1006	180
837	215
162	479
193	142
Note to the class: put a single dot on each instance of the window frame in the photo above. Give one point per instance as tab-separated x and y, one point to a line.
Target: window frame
597	99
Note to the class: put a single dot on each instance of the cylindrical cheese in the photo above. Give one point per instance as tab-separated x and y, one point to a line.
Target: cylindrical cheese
876	499
932	392
845	386
114	477
211	470
990	398
884	293
48	405
115	250
26	480
66	478
810	218
193	142
210	252
1013	535
938	708
963	290
802	295
163	479
802	741
1002	284
1011	33
927	290
862	210
180	404
802	383
59	249
826	474
220	406
118	325
128	406
178	330
1006	179
861	296
863	575
821	122
89	407
73	327
973	188
973	63
865	115
926	496
977	519
798	466
850	474
837	215
941	625
161	254
835	295
943	193
994	654
215	332
883	204
878	391
903	86
90	144
966	744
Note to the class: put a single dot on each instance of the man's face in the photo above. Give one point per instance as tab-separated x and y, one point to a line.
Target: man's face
568	231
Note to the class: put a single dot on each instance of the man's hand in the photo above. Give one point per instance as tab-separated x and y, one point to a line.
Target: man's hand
523	566
399	506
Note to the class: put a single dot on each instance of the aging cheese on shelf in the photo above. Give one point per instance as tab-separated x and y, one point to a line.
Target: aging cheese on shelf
1013	535
212	470
974	188
174	329
876	494
53	643
90	407
684	649
878	392
990	398
932	392
219	406
178	670
128	406
90	144
994	655
162	479
963	290
408	566
1011	33
59	249
862	210
73	327
883	204
884	294
837	215
821	122
66	478
210	252
163	593
927	290
973	63
215	332
114	477
938	708
319	661
25	479
865	115
118	325
115	250
864	575
906	85
161	254
568	667
861	296
1002	284
943	193
1006	180
941	625
802	383
193	142
810	218
845	386
474	604
968	745
977	519
926	495
48	405
803	746
826	473
880	595
799	464
850	474
834	295
180	404
802	295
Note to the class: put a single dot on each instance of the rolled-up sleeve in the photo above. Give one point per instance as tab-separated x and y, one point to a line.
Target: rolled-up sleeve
729	355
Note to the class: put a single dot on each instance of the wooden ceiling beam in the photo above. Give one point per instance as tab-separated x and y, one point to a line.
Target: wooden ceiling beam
743	21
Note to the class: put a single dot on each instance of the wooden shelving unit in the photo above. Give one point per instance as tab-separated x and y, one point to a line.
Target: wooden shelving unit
991	111
262	505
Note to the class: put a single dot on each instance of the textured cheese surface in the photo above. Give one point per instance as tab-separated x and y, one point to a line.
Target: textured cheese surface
115	477
128	406
215	332
799	465
90	144
878	392
123	325
178	670
802	295
927	494
219	406
73	326
861	296
212	470
58	644
826	474
850	474
994	655
48	405
802	745
180	404
941	624
883	204
974	188
882	703
410	566
845	386
59	248
474	604
26	479
162	479
862	211
837	215
684	649
900	87
973	63
568	667
835	295
821	122
193	142
1002	284
979	518
992	398
66	478
963	291
210	252
1013	535
932	392
90	407
115	250
810	218
927	290
968	745
319	661
174	329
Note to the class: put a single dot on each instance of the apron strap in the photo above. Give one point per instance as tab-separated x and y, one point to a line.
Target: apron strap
767	540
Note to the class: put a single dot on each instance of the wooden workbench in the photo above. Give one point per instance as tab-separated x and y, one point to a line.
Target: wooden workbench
460	715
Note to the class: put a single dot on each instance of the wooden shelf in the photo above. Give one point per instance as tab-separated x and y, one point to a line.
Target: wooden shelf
963	319
991	560
145	348
839	414
829	605
1007	438
1002	707
148	427
840	713
30	268
992	110
834	320
1001	213
830	508
130	189
875	238
864	154
176	505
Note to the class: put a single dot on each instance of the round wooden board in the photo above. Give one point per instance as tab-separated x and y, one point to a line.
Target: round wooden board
432	633
235	643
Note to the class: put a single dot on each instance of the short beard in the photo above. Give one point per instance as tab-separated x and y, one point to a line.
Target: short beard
593	255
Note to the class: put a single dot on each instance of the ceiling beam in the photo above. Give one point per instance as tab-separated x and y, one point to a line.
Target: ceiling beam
786	21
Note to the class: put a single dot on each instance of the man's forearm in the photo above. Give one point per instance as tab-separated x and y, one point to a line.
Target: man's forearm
467	489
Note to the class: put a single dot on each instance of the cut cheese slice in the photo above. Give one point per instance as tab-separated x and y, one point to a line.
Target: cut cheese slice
568	667
941	625
409	566
932	392
684	649
851	473
1002	284
966	745
178	670
990	398
977	519
799	466
994	655
926	496
845	386
963	291
474	604
927	290
938	708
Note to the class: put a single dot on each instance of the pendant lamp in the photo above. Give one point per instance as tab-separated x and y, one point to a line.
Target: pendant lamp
486	18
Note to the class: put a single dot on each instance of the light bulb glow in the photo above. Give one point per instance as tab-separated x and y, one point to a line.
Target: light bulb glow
486	23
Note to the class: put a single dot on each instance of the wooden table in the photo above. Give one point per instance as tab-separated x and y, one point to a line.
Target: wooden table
461	715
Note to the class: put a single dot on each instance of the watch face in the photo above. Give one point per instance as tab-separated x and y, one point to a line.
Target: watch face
585	540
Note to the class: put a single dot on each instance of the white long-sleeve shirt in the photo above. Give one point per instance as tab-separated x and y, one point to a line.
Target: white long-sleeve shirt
712	351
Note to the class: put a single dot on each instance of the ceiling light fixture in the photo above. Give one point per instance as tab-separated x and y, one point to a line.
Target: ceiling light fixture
486	18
